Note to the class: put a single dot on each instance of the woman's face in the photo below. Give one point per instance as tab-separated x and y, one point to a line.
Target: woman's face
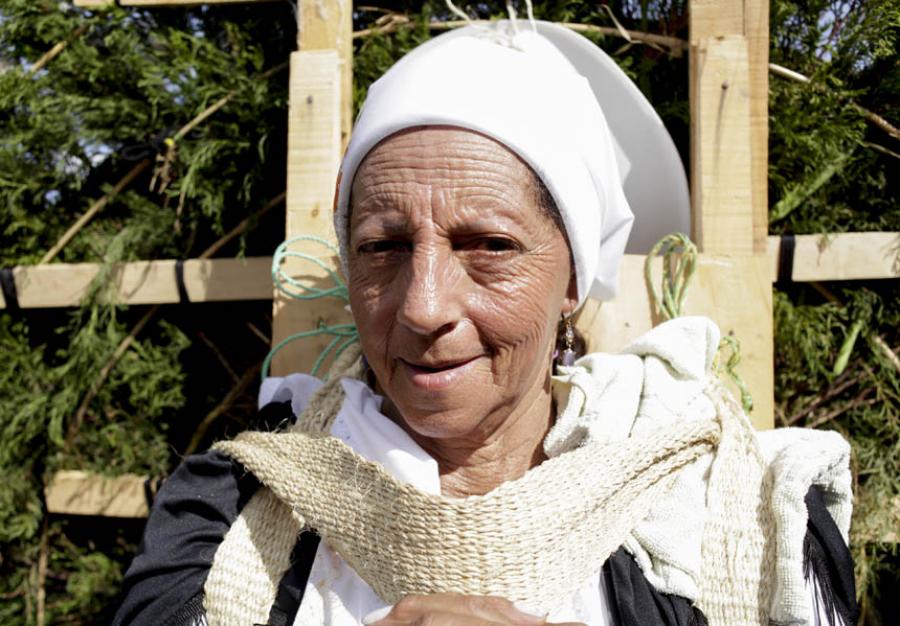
457	279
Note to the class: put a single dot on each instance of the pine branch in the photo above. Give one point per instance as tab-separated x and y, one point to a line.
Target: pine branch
119	352
41	583
122	348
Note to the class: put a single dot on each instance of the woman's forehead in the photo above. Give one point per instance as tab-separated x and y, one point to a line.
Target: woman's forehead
433	153
438	165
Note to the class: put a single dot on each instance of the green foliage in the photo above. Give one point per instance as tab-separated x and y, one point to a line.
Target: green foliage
860	400
830	169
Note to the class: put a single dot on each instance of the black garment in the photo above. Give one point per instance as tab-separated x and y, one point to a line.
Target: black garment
197	505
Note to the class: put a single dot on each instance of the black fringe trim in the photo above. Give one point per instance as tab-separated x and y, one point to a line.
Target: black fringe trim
191	614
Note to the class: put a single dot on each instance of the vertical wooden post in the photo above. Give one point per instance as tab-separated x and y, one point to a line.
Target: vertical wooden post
729	157
714	25
328	25
319	120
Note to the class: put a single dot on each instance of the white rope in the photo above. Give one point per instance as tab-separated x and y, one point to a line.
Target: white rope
529	8
513	17
457	11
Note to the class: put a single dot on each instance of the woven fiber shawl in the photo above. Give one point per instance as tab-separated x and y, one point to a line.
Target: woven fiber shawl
535	539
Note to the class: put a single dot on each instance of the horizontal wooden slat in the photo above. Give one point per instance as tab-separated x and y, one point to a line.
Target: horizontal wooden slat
145	282
841	256
74	492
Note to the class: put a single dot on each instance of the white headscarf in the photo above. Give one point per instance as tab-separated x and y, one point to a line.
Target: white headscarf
520	90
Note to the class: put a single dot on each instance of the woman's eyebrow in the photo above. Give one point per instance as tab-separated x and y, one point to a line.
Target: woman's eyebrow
385	225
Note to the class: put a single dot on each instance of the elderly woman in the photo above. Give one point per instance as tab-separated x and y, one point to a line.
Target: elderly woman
466	468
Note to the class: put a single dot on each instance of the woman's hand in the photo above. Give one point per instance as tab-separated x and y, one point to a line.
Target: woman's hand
453	609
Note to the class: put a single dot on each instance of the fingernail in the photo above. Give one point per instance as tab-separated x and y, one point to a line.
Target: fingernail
377	615
528	611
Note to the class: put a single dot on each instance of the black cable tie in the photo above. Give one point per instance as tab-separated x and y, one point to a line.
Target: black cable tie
8	284
151	488
786	247
179	281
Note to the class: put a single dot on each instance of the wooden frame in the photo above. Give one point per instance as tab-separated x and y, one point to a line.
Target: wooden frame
817	258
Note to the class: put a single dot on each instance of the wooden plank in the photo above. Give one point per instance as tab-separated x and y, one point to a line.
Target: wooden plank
74	492
734	291
314	155
756	30
842	256
145	282
328	25
826	257
720	146
750	18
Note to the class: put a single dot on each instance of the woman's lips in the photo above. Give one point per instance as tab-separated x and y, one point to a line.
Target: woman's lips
437	377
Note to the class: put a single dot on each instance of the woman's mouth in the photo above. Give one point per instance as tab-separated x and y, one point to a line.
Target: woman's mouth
437	376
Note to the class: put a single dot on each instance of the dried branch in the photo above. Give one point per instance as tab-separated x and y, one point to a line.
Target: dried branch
218	354
140	167
873	117
95	208
890	353
392	22
256	331
53	52
860	400
245	381
242	226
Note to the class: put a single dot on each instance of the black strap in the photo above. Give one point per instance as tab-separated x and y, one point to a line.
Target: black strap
293	583
8	283
786	258
179	281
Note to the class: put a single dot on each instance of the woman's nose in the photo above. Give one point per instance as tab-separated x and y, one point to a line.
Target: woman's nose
430	298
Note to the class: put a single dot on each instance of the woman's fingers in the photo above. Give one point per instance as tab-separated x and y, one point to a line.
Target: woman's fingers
439	619
453	606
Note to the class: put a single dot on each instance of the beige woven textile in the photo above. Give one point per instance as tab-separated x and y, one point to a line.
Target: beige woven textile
402	541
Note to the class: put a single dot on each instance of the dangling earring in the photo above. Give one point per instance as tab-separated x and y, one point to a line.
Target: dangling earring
568	354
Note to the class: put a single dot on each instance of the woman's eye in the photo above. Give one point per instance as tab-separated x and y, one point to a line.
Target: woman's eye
382	246
491	244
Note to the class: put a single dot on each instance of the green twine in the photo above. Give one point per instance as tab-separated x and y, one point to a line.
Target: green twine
677	274
732	342
284	283
678	266
343	335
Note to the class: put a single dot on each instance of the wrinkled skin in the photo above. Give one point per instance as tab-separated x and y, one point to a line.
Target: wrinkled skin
457	281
